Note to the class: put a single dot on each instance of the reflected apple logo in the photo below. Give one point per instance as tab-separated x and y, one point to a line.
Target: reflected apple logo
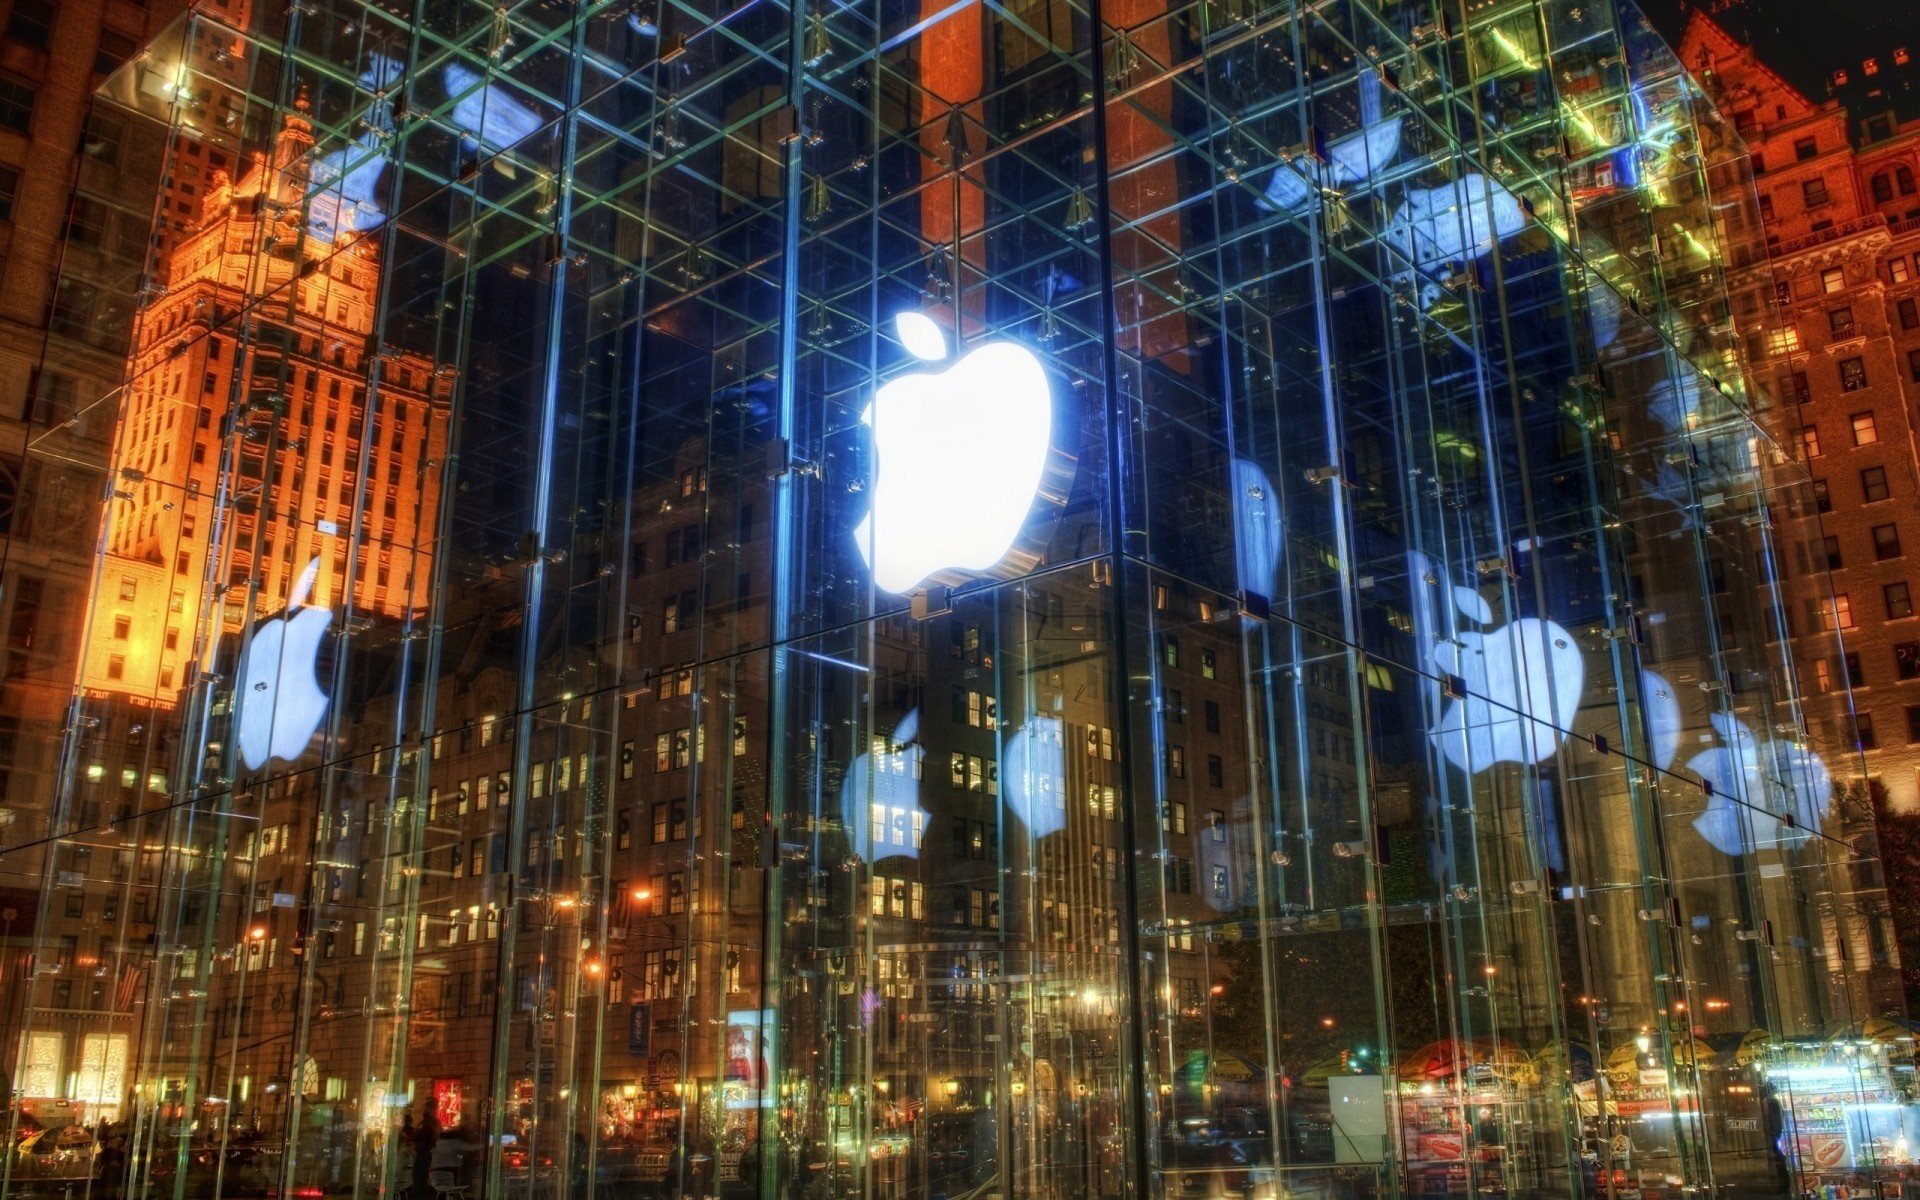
960	454
1662	708
346	183
1033	775
1257	528
278	697
1522	680
1775	779
880	797
1455	224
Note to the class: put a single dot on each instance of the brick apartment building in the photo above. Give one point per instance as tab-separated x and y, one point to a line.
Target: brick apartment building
1840	200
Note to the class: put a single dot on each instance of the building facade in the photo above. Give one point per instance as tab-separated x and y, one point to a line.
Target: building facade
921	600
1841	206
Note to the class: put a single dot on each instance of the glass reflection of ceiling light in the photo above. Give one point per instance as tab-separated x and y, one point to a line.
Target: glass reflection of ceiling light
1512	51
960	458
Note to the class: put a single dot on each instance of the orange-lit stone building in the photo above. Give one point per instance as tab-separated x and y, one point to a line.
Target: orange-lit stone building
300	391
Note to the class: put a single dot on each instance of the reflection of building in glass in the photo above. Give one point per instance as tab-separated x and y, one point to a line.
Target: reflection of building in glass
1320	792
1843	224
313	472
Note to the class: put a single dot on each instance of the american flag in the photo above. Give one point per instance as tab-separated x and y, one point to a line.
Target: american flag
127	987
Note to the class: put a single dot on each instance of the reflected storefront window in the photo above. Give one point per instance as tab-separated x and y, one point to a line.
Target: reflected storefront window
925	601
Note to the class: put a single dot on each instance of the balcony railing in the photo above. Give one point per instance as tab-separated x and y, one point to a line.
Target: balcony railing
1832	233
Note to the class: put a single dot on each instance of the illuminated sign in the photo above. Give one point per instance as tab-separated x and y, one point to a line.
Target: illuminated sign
960	455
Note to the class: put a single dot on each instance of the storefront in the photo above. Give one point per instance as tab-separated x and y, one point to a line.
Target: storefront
917	600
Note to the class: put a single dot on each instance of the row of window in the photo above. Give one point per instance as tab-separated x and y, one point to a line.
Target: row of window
1175	707
1827	675
1886	545
1873	488
1170	656
1896	598
1176	765
1864	429
1884	184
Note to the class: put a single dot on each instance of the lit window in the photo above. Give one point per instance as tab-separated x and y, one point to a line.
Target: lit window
1810	442
1837	612
1833	279
1864	431
38	1073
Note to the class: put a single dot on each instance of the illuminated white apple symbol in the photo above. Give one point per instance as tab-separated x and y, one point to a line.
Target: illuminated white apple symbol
1521	681
880	797
278	697
960	454
1756	786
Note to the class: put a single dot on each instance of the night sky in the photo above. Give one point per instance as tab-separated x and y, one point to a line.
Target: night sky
1806	41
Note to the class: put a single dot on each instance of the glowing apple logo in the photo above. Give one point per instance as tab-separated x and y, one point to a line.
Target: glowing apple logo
1521	680
880	797
960	458
1756	786
278	697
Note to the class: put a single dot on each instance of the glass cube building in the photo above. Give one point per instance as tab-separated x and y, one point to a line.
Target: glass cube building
912	599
